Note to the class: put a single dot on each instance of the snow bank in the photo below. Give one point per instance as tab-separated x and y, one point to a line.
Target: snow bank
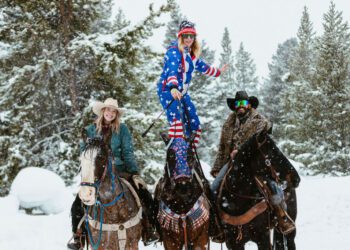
9	205
39	188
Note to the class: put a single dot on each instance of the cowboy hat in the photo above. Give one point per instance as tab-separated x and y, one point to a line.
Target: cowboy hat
108	103
242	95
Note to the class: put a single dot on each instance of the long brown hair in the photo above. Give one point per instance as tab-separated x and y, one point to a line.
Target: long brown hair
115	124
195	47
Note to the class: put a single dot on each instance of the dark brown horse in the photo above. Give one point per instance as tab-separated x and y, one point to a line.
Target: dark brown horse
113	208
183	213
245	212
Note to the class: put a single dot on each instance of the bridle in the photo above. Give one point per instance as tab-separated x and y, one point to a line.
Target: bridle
97	183
267	159
168	171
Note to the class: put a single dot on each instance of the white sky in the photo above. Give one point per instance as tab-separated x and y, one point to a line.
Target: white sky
260	24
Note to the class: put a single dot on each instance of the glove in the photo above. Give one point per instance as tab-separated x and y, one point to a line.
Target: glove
139	182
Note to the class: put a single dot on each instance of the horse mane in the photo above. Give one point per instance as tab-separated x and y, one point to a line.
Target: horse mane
281	163
92	144
245	150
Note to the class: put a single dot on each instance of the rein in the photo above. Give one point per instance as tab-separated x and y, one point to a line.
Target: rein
267	160
98	203
248	196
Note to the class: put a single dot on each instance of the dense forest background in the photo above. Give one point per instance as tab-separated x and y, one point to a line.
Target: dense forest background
58	57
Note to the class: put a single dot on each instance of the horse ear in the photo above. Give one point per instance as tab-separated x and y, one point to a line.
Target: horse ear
269	131
84	135
165	137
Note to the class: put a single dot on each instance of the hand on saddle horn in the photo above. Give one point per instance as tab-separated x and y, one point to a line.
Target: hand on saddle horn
139	182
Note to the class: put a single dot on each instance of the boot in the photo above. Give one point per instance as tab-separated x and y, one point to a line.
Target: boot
78	242
285	224
149	235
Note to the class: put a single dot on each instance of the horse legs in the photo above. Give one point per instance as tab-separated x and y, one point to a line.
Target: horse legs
279	241
201	242
232	245
171	240
292	211
231	236
264	244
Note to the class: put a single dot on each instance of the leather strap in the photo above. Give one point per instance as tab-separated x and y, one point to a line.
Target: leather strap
246	217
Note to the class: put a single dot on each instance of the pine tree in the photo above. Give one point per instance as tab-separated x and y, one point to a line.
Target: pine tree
63	56
173	25
226	57
296	91
279	71
330	112
302	61
245	72
39	91
203	95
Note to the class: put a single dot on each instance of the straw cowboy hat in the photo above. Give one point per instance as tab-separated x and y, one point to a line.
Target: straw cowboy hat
108	103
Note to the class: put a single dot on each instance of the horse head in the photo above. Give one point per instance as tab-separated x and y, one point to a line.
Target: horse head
272	161
93	162
260	156
180	160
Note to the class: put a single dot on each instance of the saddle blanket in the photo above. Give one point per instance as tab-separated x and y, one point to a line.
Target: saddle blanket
197	215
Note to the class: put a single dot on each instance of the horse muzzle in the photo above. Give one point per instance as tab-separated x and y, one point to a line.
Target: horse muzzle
87	195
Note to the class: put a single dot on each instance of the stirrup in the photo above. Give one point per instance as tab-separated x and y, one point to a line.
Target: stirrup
78	242
150	237
286	224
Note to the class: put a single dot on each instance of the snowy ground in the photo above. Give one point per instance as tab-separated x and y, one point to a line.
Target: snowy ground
323	221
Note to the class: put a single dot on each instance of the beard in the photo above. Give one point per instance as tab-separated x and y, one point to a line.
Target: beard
241	111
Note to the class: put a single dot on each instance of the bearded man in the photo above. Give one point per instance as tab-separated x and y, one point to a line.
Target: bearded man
240	125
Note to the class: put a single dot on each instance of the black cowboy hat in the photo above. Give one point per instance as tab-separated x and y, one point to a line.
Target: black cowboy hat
242	95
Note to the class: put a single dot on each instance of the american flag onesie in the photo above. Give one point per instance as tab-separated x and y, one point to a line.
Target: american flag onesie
177	73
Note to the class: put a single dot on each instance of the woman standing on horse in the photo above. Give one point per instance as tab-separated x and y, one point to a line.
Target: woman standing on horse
117	136
181	59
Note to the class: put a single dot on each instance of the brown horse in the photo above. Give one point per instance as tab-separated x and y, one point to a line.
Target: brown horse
183	213
113	210
244	209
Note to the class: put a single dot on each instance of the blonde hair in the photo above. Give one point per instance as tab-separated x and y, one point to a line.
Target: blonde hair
195	47
115	124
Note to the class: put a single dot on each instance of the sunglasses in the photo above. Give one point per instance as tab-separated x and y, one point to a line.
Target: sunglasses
192	36
241	103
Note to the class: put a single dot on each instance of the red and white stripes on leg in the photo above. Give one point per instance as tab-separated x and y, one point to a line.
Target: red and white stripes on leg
176	129
198	133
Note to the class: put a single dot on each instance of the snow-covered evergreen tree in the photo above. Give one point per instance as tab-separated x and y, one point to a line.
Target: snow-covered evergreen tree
330	111
297	89
245	72
203	95
303	58
61	56
226	57
173	25
279	71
